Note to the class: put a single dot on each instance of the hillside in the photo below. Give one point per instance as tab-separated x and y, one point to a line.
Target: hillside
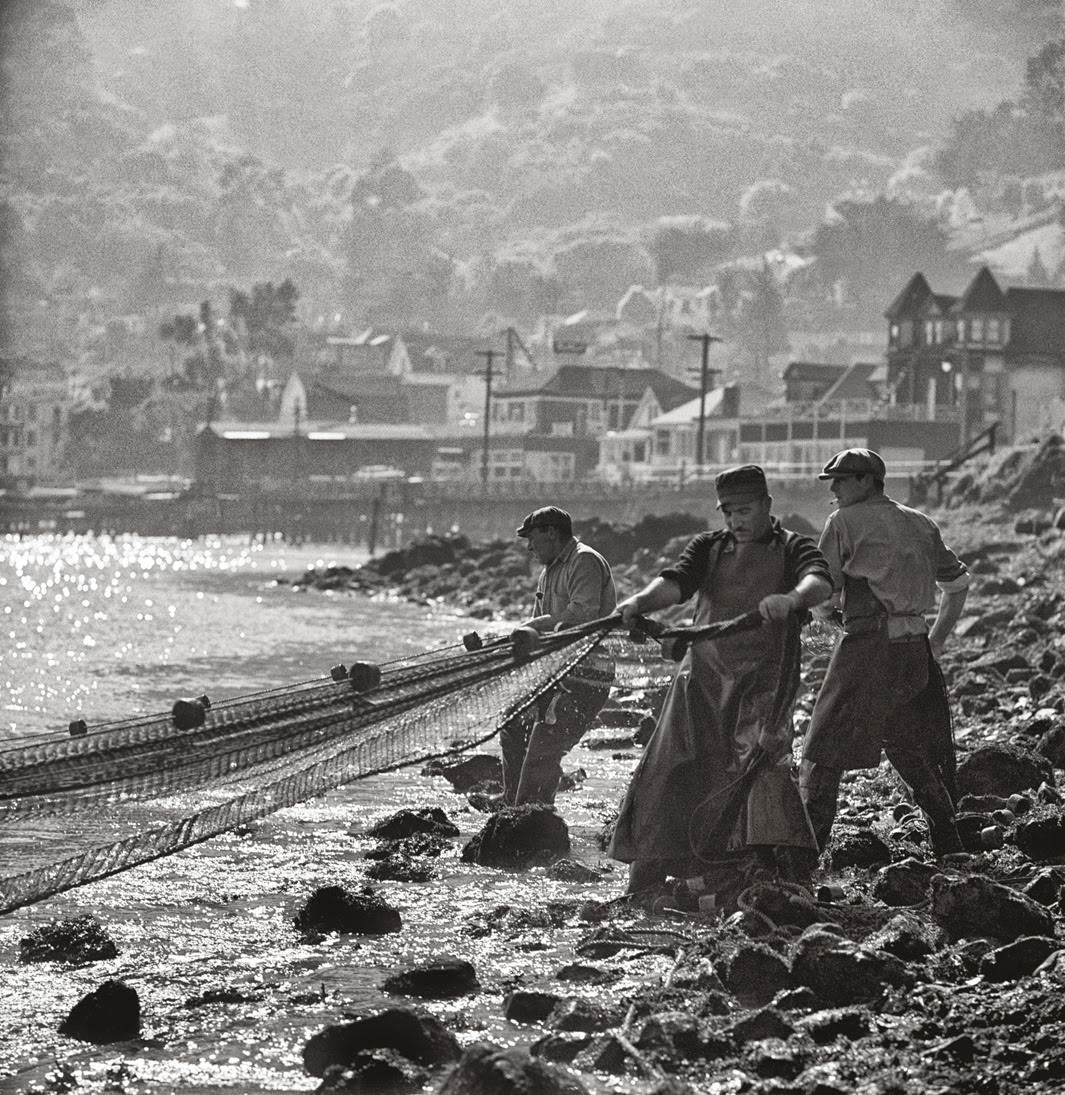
156	153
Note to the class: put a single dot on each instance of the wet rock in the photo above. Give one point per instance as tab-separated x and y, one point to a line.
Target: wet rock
798	999
111	1013
682	1036
400	868
76	939
830	1024
782	904
569	870
1042	837
765	1023
578	1013
419	844
982	804
903	883
440	979
469	772
1052	746
486	1069
529	1006
858	848
405	823
975	905
908	937
419	1037
377	1070
1002	770
1046	885
561	1045
519	836
1001	661
1018	959
336	909
755	973
843	972
586	974
773	1058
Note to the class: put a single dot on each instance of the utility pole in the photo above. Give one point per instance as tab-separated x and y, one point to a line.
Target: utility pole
489	356
704	374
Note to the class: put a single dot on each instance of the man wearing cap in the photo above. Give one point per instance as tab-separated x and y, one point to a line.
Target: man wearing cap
575	586
730	701
883	689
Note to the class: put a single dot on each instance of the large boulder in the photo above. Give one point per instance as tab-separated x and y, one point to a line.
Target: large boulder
841	971
974	905
1002	770
418	1037
519	836
111	1013
486	1069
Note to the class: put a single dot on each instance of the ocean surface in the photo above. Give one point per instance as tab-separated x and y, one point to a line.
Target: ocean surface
103	629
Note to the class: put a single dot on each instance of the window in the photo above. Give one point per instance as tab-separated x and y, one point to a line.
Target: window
662	446
977	329
639	452
994	331
961	330
929	331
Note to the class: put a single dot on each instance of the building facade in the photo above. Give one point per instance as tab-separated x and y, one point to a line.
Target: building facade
34	409
997	356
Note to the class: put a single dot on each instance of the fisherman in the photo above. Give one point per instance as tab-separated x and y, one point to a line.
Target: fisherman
883	689
726	718
575	586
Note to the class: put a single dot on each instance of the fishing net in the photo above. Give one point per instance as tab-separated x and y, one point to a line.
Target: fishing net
77	809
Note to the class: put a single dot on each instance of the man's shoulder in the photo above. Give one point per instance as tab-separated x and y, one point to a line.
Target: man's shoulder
583	550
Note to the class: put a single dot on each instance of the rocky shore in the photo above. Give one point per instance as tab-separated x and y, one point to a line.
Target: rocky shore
896	973
892	973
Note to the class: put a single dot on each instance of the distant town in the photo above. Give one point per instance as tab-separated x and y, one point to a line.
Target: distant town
590	404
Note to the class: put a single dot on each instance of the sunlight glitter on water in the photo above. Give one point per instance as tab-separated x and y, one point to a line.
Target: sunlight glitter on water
116	628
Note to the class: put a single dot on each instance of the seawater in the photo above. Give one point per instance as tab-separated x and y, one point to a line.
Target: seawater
102	629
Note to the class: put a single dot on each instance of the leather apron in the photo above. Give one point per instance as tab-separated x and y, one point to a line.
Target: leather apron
717	710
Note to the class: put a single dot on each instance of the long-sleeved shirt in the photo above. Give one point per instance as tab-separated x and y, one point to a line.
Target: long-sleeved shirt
575	587
900	552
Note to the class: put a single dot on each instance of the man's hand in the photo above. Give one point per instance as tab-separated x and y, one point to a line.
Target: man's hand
777	606
628	610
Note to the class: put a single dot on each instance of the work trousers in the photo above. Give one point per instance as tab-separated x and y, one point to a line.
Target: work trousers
819	787
534	741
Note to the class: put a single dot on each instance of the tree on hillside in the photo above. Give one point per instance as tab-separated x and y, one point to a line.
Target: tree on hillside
1023	137
761	329
265	320
870	251
686	249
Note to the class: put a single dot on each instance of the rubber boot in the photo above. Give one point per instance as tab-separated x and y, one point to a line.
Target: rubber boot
939	813
819	788
541	771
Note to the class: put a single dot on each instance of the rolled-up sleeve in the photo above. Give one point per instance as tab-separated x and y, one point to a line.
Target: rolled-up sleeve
690	569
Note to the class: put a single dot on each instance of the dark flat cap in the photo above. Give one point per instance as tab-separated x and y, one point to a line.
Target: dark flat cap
547	517
854	462
739	485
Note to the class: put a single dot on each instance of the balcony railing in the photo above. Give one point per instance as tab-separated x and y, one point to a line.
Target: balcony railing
855	410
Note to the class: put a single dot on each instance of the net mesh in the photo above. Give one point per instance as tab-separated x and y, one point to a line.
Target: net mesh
143	789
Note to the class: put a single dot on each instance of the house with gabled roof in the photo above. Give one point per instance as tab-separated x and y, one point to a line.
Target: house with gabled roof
665	445
992	355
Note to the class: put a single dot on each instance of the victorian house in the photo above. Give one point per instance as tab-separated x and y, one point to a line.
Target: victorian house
997	356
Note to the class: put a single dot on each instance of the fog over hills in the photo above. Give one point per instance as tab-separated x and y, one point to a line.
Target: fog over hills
432	160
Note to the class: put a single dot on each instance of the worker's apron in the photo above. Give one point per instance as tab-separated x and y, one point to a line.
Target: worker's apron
721	705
